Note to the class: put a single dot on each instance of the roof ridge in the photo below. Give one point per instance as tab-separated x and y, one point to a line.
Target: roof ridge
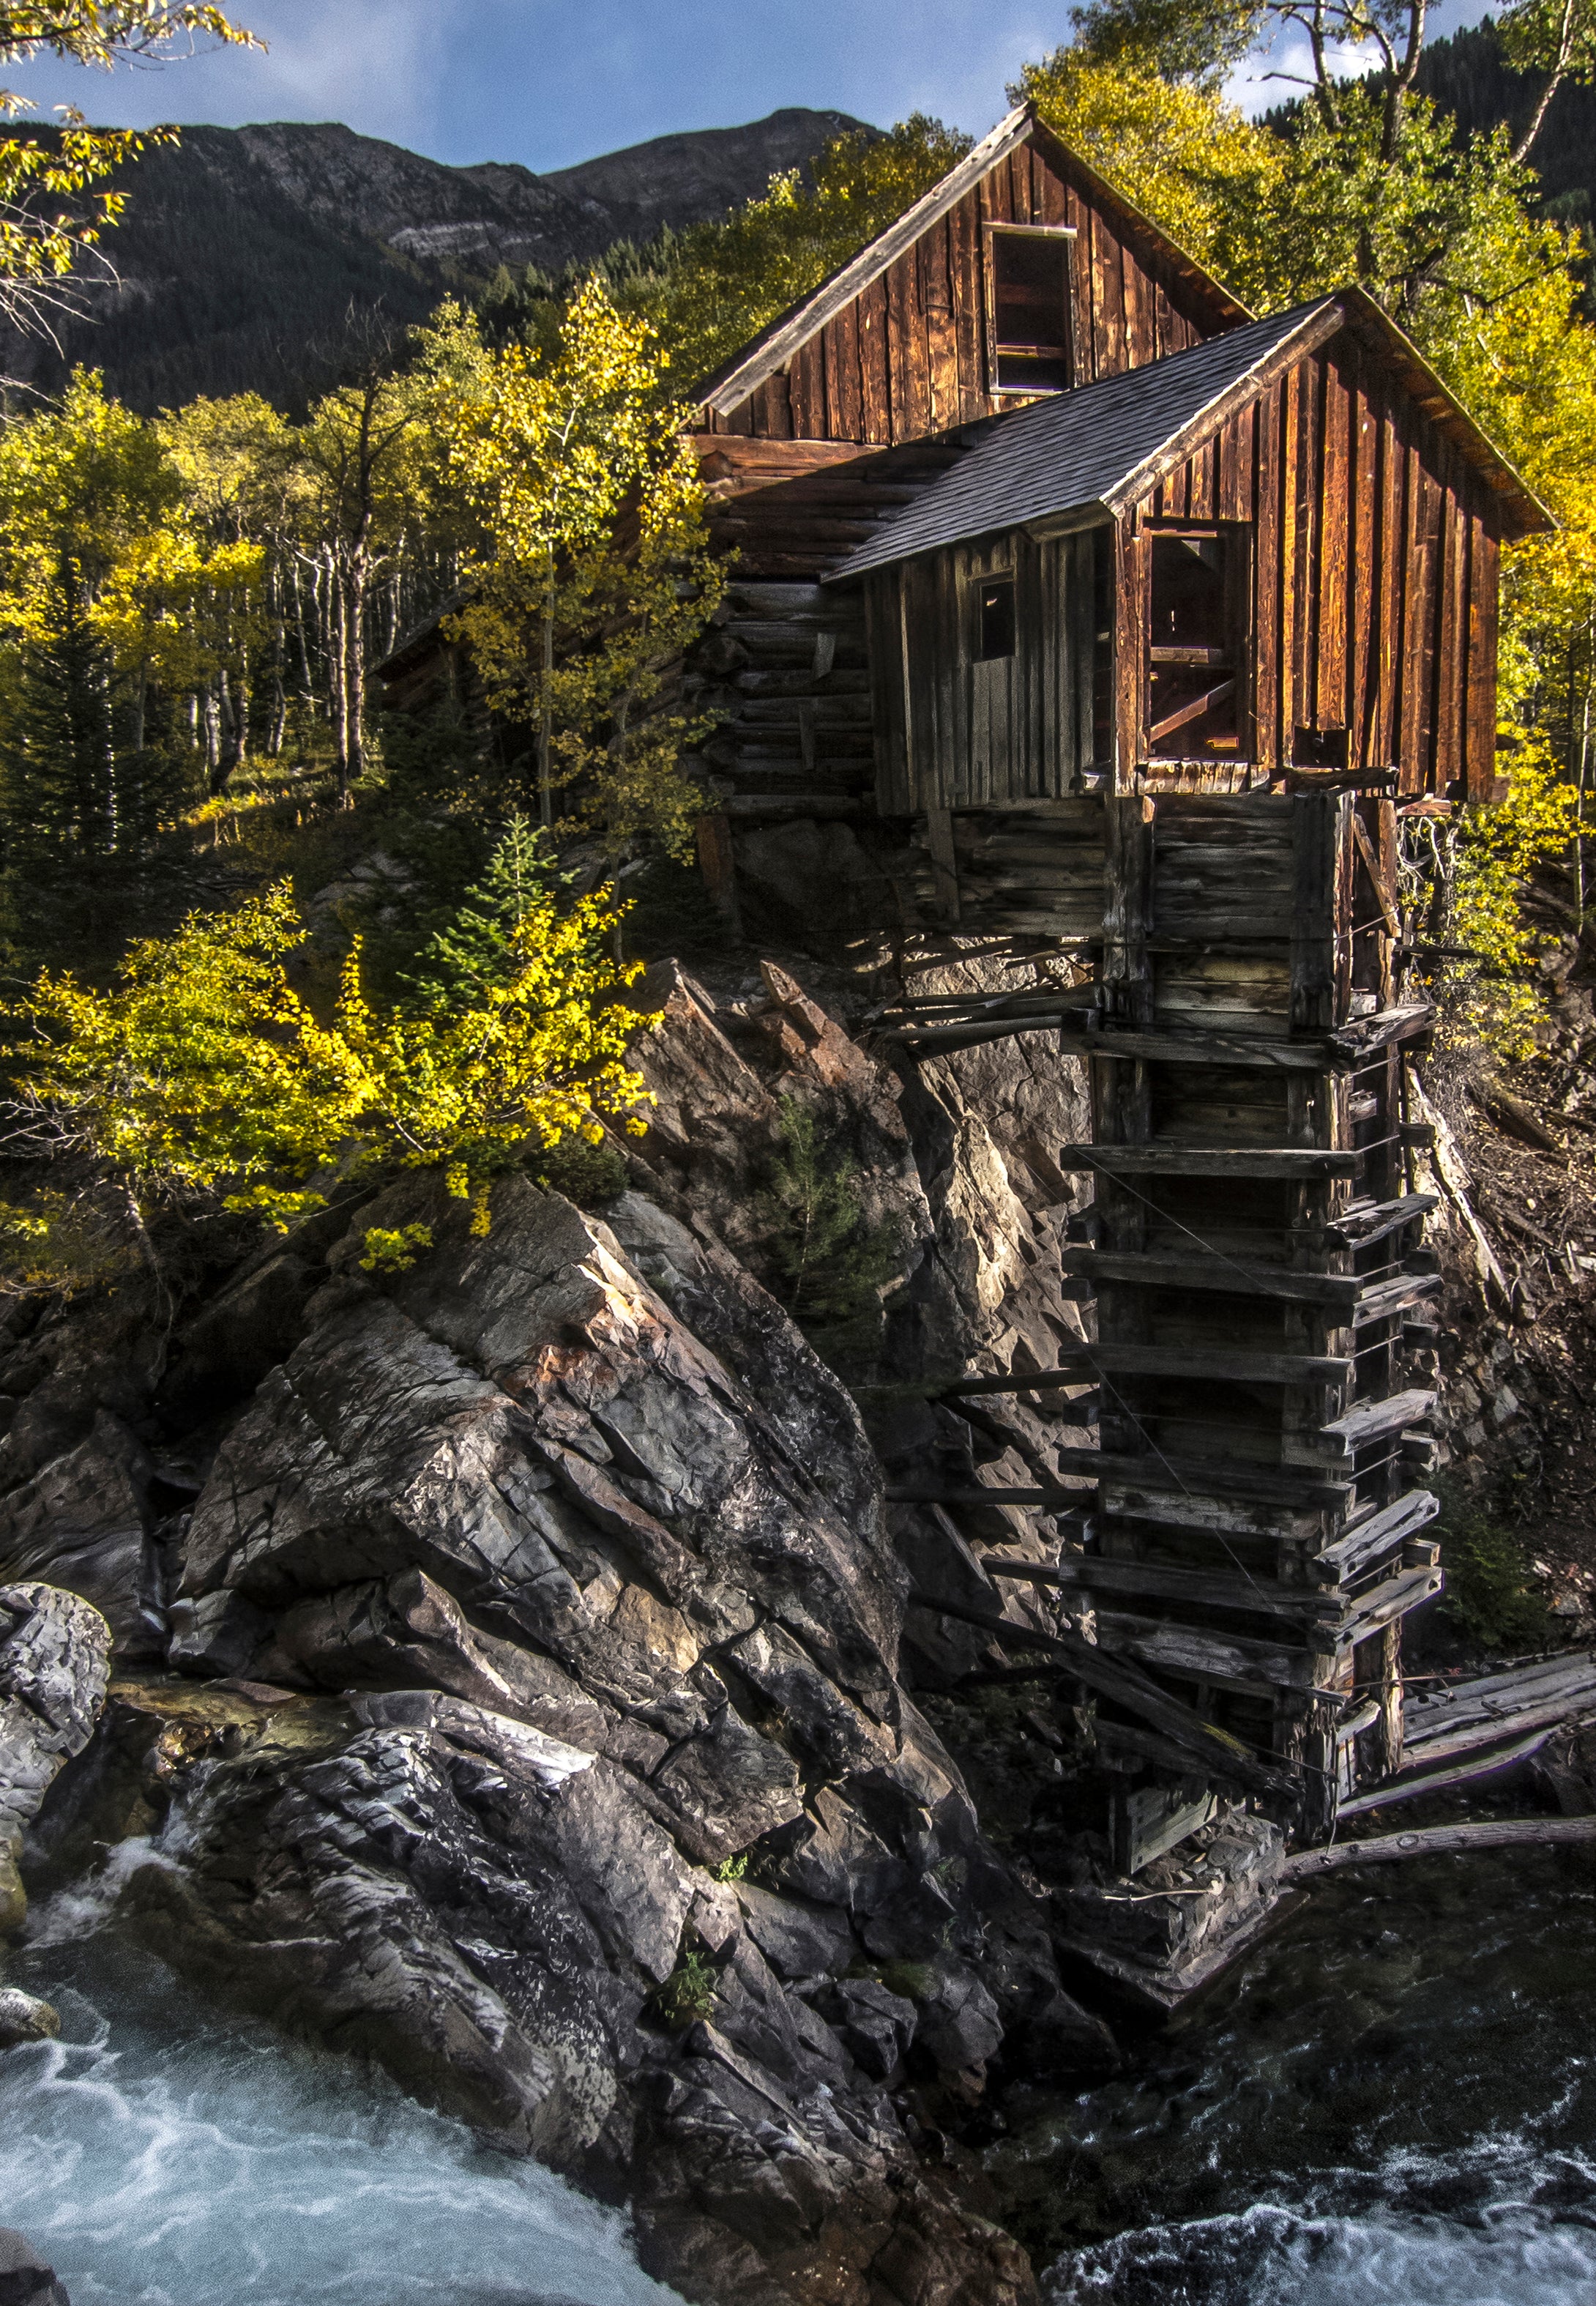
727	386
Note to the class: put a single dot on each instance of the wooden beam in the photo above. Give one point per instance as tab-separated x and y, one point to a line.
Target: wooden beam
1099	1573
1085	1361
1442	1842
1206	1653
1367	1540
1222	1756
1358	1230
1339	1292
1367	1421
1435	1782
1208	1161
1194	1476
1364	1035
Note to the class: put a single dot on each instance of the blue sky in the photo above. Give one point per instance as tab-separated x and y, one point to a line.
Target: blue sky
549	83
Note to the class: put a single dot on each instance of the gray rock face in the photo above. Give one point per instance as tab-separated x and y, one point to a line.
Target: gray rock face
536	1726
25	2280
53	1670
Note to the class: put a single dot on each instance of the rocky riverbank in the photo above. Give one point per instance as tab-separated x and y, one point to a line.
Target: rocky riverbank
507	1676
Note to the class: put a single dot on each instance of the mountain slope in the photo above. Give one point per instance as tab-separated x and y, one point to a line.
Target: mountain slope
1466	74
242	251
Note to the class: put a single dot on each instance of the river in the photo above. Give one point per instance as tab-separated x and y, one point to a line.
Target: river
1390	2102
160	2156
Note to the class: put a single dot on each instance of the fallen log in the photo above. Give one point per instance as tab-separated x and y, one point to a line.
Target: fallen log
1441	1841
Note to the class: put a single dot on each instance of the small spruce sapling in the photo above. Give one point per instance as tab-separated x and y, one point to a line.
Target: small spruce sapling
831	1264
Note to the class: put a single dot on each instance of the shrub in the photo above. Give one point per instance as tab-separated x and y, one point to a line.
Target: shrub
1489	1595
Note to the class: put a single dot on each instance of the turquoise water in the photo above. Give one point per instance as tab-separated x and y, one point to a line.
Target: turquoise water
160	2157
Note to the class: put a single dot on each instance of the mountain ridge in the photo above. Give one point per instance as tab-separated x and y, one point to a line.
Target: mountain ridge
242	251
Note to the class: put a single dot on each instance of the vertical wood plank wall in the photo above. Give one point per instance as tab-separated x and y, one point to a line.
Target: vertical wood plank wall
1374	578
984	734
907	356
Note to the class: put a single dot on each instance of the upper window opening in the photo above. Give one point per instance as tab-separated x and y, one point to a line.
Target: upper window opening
994	619
1030	311
1196	644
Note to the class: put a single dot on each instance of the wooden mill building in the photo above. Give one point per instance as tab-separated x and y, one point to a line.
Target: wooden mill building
1119	625
1123	625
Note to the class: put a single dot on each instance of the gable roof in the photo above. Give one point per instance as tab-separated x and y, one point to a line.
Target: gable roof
729	385
1086	456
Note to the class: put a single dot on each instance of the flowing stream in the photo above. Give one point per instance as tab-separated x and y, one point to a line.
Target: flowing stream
1391	2102
160	2156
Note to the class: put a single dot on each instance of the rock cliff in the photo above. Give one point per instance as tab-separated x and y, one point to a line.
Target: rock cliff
508	1662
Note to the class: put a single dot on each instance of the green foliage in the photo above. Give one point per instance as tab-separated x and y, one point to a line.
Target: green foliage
688	1994
731	1869
591	1176
1468	880
829	1265
1487	1590
569	629
476	948
394	1249
201	1076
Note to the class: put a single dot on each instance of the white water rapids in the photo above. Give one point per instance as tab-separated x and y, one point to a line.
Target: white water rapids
160	2156
1391	2102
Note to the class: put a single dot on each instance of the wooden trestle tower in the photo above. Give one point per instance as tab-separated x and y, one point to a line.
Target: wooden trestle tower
1259	1273
1255	1251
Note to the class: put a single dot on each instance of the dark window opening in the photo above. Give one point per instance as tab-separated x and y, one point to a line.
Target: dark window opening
1196	645
1030	311
994	619
1320	748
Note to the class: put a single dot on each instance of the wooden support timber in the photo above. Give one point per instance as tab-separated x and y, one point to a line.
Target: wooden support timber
1252	1544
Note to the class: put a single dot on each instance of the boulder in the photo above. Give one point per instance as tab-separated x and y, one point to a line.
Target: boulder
25	2280
53	1652
24	2018
83	1523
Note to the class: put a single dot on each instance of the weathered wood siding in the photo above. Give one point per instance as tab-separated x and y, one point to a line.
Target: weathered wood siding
909	355
1374	555
953	732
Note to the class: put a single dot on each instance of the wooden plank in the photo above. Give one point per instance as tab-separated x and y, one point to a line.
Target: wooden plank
1222	1365
1356	1301
1212	1589
1440	1780
1360	1229
1417	582
1319	830
1390	1527
844	383
876	397
1186	1476
1367	1421
1209	1049
1215	1161
1479	738
1204	1652
1329	699
1225	1756
1364	562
